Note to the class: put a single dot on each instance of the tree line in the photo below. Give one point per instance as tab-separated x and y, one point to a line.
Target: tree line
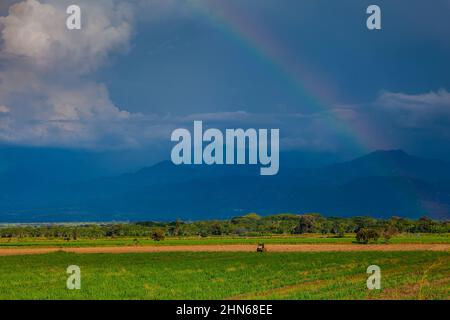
248	225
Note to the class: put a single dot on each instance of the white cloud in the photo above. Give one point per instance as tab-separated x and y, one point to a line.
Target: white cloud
427	111
415	122
4	109
48	97
52	101
46	76
439	98
36	32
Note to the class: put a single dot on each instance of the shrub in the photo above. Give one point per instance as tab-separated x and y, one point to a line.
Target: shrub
158	235
389	233
366	235
216	229
338	230
306	224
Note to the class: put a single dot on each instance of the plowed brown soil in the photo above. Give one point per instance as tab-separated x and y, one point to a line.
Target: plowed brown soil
233	248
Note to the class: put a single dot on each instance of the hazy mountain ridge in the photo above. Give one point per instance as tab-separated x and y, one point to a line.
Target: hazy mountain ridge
382	183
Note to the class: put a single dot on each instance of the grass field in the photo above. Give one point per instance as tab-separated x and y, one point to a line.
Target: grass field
339	275
288	239
225	275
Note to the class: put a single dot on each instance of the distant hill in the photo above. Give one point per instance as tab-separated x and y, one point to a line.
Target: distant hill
395	163
380	184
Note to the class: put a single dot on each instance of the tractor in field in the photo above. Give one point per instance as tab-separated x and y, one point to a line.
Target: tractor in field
261	248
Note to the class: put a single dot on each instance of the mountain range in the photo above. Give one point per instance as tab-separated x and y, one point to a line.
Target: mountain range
379	184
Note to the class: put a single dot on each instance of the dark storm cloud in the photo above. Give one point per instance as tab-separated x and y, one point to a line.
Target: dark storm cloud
310	68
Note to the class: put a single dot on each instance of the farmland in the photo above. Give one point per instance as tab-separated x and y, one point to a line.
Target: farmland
215	240
307	257
249	229
227	275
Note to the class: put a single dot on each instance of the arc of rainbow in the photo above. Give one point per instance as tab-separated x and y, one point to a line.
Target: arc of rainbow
267	48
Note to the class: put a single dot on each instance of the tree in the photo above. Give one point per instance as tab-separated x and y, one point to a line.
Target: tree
338	229
175	228
363	223
389	232
216	229
425	225
158	235
75	234
306	224
366	235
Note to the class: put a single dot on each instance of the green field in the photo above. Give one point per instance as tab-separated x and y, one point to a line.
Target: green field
339	275
287	239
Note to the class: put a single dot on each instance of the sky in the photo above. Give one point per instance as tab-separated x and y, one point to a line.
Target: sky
139	69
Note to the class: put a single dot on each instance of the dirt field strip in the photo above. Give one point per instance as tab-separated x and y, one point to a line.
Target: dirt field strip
233	248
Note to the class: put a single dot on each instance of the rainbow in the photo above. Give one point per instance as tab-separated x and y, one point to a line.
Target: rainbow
306	82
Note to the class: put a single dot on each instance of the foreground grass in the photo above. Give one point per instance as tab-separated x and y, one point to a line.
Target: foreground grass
276	239
339	275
